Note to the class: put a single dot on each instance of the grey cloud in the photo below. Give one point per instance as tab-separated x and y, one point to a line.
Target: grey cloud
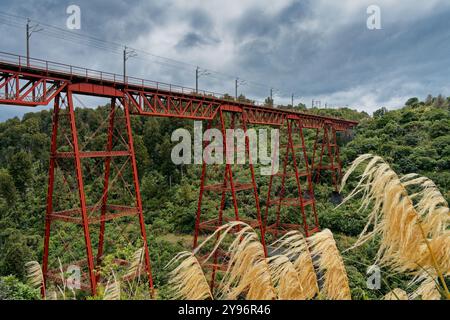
346	61
259	23
351	56
199	19
193	39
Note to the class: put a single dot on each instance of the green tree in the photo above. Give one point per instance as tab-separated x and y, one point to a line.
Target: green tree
380	112
439	128
15	253
440	101
7	187
429	100
268	101
20	168
412	102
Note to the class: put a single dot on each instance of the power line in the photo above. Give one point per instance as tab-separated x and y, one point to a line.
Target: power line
62	35
65	32
114	47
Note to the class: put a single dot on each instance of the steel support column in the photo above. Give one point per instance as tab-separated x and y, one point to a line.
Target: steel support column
138	195
51	184
81	194
109	146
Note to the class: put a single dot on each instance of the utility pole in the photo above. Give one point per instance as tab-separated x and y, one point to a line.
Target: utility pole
237	82
196	80
28	42
271	96
198	74
126	55
29	32
272	92
292	100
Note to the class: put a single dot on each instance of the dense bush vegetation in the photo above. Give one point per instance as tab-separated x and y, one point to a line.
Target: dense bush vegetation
415	138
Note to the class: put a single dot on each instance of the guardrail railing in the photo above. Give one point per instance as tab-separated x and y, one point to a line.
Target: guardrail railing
69	70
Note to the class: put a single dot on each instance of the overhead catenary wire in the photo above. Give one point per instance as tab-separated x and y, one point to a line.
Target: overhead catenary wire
52	31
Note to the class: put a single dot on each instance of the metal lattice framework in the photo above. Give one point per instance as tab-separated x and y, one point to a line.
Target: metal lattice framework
39	82
295	167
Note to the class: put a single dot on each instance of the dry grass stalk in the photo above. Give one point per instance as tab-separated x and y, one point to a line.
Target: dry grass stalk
285	278
136	264
396	294
112	289
248	272
36	279
329	262
187	280
34	274
428	289
51	295
294	245
414	235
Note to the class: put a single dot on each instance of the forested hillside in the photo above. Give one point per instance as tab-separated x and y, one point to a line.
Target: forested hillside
415	138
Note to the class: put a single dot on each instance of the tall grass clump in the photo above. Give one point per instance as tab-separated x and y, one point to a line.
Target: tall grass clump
294	246
329	262
413	228
112	289
34	274
248	273
289	274
187	280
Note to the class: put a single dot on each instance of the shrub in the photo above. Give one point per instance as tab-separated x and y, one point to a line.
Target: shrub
12	289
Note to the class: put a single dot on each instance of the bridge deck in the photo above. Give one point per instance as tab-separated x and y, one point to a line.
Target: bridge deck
35	70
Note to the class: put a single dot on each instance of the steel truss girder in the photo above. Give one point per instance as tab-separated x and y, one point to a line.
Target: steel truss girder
145	99
164	105
18	88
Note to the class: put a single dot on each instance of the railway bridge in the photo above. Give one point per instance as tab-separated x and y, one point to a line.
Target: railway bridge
34	82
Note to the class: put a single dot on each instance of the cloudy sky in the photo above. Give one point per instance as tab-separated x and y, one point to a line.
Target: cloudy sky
318	49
